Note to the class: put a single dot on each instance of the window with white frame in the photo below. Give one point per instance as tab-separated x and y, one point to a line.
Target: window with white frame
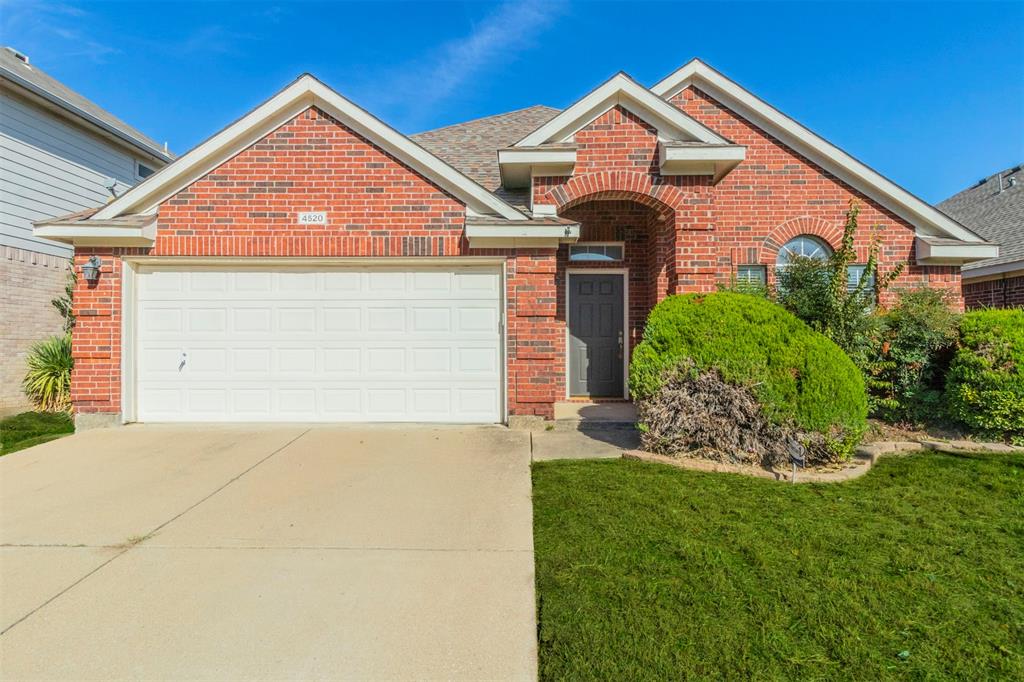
804	246
855	275
143	171
754	276
807	246
596	252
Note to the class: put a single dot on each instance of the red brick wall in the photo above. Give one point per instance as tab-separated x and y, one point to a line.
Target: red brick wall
682	233
777	193
774	195
376	206
96	340
1007	292
617	221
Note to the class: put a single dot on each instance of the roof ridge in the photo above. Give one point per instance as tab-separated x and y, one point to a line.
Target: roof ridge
484	118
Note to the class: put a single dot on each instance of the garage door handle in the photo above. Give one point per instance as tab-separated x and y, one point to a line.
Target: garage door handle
181	364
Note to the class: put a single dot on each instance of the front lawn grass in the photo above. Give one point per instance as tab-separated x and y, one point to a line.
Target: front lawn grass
914	571
32	428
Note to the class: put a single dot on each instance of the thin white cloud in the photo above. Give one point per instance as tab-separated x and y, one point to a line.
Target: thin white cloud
209	39
52	28
502	36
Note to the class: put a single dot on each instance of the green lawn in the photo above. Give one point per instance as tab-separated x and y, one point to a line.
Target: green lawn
32	428
914	571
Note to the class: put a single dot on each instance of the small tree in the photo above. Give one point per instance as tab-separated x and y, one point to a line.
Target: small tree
913	347
818	292
63	304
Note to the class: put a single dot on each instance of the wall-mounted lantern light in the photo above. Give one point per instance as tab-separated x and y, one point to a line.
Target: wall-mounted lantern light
91	269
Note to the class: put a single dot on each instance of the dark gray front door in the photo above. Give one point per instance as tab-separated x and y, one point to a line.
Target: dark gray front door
595	335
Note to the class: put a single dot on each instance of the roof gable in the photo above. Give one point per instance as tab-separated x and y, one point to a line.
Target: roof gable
302	94
621	90
921	214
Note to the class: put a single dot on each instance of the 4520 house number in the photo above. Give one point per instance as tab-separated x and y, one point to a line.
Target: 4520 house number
313	218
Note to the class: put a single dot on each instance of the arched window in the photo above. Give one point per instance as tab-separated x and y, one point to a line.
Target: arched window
804	245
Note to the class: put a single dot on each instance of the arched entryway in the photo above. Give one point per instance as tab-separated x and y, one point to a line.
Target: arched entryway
608	282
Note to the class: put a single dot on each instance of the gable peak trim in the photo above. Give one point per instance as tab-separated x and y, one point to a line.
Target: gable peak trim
304	92
622	90
925	218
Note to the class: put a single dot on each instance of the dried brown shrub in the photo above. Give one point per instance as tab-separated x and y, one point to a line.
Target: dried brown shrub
698	414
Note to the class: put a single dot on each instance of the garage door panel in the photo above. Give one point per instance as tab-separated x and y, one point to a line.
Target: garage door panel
332	345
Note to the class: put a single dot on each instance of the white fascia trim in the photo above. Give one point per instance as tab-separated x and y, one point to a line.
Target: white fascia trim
842	165
965	252
1015	267
718	153
621	89
311	261
99	233
566	232
716	161
537	156
518	167
297	97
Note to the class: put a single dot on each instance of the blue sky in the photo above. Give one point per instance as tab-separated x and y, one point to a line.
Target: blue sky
929	94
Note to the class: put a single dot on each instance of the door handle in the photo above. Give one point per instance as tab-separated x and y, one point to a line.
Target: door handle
621	342
181	364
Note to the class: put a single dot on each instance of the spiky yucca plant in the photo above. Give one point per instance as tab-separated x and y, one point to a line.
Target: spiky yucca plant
48	380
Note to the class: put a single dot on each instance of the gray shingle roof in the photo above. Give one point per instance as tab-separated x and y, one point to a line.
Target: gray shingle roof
37	81
472	147
997	216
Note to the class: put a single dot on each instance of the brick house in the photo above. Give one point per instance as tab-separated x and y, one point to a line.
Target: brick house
311	263
993	209
59	153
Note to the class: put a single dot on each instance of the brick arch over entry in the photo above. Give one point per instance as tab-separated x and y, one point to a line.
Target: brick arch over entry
638	187
831	233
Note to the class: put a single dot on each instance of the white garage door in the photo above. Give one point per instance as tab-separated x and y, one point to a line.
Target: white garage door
370	344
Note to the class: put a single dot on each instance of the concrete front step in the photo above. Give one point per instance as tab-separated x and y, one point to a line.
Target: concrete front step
591	425
589	416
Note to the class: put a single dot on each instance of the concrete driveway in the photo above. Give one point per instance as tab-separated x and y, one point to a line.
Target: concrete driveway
278	552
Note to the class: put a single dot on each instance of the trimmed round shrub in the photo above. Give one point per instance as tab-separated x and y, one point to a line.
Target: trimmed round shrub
985	383
800	378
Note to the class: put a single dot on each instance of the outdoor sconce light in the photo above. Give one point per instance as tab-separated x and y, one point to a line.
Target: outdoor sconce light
91	269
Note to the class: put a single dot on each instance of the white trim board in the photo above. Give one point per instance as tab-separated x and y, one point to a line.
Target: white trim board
620	89
993	272
848	169
304	93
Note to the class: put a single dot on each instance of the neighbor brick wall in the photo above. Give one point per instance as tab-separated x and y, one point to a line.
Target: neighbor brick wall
1006	292
376	206
28	282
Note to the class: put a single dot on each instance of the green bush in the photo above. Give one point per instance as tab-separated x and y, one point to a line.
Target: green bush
48	380
799	376
818	292
910	356
985	384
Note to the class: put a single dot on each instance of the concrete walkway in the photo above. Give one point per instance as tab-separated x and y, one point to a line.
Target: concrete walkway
285	552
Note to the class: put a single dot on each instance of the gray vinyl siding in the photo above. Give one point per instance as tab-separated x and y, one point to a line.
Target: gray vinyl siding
49	167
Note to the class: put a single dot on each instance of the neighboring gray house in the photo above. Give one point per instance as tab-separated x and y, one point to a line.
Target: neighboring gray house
59	153
994	209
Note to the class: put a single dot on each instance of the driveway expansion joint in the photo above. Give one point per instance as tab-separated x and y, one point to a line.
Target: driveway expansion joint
124	548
